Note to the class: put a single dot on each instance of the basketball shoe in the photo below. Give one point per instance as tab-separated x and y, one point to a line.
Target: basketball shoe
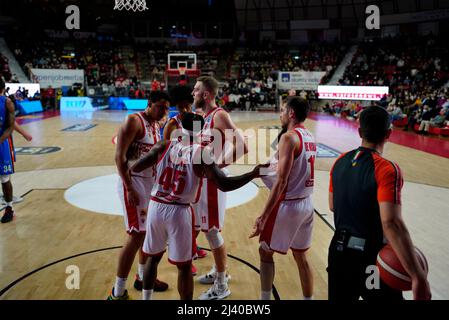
125	296
159	286
8	215
216	292
201	253
209	278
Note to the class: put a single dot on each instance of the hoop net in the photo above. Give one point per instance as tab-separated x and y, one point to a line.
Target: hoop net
182	71
135	5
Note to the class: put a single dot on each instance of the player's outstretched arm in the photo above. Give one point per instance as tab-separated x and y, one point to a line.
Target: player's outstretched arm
224	183
151	157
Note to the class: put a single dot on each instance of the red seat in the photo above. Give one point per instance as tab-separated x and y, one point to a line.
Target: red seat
435	131
401	123
444	132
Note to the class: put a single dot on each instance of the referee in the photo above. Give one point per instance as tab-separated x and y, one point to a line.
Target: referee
365	196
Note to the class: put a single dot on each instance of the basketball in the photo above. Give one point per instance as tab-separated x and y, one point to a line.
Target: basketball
391	270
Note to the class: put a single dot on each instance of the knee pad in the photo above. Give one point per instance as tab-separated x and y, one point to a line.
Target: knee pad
214	238
4	179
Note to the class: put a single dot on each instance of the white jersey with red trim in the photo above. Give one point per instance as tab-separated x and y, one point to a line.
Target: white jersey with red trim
178	121
301	177
209	134
143	145
211	206
176	180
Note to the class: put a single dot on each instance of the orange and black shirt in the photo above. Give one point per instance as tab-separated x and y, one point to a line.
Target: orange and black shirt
359	181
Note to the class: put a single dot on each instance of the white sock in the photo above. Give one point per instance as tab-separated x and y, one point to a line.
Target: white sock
308	298
265	295
147	294
221	277
213	269
140	269
9	204
120	286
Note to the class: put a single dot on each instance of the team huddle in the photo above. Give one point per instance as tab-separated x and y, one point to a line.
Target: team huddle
174	186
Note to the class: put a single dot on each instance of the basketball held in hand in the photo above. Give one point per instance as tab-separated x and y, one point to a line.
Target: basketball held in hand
393	273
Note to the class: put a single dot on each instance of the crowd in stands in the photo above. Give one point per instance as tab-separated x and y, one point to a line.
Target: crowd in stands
415	69
106	61
261	62
252	72
423	113
427	111
100	58
408	65
4	67
208	56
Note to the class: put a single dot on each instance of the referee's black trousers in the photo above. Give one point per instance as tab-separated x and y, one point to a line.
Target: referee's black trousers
347	276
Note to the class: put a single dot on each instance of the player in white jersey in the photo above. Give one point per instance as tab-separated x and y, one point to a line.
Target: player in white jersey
180	167
181	97
212	203
139	133
287	219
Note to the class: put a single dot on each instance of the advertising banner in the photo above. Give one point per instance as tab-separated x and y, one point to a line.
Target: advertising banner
57	78
300	80
76	104
352	93
27	107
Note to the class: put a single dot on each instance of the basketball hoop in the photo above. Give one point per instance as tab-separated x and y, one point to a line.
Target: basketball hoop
182	71
135	5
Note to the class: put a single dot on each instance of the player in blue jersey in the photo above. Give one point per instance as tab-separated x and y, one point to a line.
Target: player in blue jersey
7	154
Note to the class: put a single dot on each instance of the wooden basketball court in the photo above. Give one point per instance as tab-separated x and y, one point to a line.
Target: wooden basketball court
49	234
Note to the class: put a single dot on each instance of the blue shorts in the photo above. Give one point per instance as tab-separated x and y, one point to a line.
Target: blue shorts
7	157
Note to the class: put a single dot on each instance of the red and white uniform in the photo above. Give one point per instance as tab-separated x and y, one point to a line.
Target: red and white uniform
170	215
290	223
178	123
211	205
135	216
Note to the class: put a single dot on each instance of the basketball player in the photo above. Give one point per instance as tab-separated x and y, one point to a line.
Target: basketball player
7	154
136	137
180	167
212	203
181	97
287	219
365	196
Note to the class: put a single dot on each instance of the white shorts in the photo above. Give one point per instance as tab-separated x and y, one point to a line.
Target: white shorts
197	215
289	227
210	208
135	217
172	225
